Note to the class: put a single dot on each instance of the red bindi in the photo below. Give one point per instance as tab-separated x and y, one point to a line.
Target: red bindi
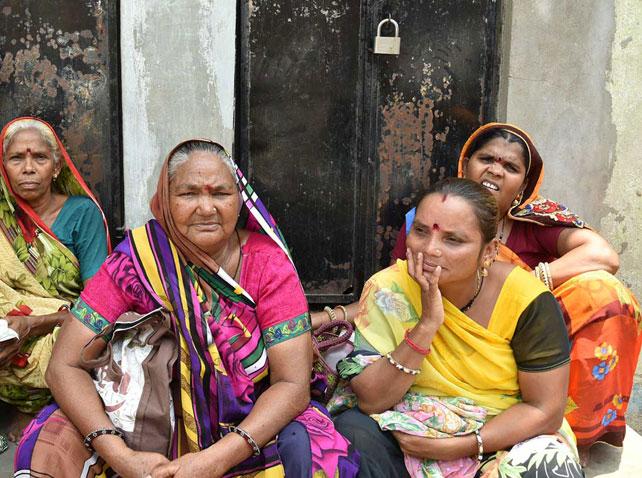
209	189
28	150
435	227
500	161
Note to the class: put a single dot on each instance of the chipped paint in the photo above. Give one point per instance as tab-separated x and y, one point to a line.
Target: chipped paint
58	68
406	142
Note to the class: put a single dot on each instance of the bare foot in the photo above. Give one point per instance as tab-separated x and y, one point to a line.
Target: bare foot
585	454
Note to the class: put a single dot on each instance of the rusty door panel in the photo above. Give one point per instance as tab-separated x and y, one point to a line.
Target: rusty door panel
298	130
340	141
60	63
427	100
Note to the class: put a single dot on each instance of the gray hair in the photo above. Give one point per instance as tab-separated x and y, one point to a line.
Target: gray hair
45	134
181	154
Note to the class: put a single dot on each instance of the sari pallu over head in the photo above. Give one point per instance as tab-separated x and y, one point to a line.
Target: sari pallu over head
52	268
206	306
532	207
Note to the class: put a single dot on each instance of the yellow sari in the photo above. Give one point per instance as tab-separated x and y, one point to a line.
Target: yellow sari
467	360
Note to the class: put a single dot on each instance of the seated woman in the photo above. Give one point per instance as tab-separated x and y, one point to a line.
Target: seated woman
450	330
53	238
602	316
243	289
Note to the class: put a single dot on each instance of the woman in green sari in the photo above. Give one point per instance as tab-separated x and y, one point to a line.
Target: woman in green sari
53	238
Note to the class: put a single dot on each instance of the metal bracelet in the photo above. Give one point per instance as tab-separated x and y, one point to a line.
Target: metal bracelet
402	368
345	312
100	432
480	446
547	271
256	450
330	312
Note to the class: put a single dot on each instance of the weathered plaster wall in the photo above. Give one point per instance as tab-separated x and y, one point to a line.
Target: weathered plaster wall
559	61
177	83
574	81
623	222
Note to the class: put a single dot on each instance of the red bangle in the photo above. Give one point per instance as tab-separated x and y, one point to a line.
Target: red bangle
414	346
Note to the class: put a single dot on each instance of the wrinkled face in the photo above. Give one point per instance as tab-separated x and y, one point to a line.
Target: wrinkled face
204	201
30	166
499	166
447	232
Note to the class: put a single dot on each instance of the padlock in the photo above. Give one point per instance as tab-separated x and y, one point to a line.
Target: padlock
387	45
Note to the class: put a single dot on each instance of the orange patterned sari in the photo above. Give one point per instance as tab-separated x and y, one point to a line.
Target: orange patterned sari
602	316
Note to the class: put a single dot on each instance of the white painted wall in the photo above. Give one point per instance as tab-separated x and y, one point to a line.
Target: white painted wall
178	60
573	80
572	77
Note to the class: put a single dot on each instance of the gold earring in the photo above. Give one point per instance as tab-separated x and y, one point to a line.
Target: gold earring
518	199
485	266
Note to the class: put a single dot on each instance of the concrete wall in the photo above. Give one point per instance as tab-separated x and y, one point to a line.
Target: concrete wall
178	62
573	79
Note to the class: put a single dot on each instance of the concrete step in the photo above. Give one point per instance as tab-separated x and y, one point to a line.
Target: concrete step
611	462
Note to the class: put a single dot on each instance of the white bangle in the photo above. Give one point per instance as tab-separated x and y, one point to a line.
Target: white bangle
480	446
330	312
547	269
402	368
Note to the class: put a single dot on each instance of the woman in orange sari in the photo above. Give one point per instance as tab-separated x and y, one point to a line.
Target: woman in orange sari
602	316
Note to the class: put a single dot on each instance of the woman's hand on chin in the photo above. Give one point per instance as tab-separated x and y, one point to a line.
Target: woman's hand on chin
207	464
432	308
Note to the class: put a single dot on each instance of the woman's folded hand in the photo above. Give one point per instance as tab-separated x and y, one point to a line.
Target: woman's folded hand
136	464
436	448
432	308
202	464
9	348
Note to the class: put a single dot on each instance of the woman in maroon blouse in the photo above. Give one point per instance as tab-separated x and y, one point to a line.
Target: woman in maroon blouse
576	263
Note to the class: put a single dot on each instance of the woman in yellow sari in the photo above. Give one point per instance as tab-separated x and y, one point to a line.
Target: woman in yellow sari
53	237
448	333
602	316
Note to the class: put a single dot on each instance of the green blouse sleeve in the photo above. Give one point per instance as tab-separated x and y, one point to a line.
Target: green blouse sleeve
79	226
540	341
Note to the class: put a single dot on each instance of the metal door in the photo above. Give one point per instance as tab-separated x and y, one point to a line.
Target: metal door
60	63
338	140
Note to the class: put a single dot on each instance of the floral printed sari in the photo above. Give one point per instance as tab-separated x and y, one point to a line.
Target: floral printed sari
38	275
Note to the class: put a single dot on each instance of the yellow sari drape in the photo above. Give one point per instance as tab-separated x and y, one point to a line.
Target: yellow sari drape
467	360
17	287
